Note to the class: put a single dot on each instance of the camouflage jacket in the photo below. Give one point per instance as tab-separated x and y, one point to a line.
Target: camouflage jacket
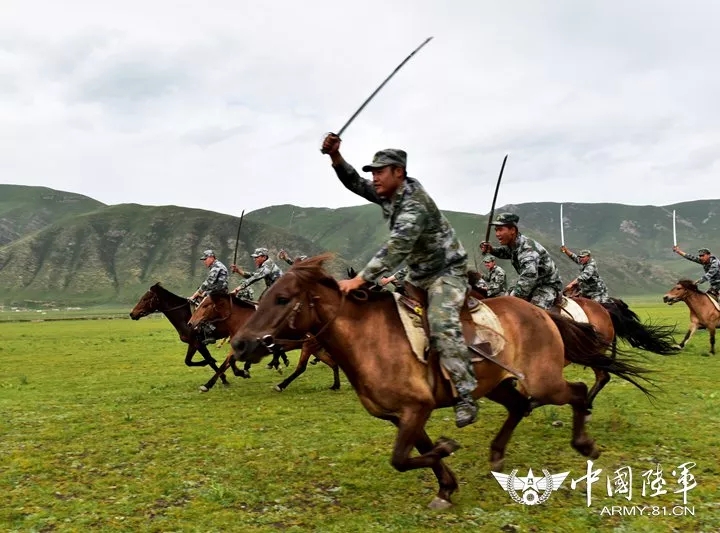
589	281
712	270
533	264
420	234
217	279
268	271
495	282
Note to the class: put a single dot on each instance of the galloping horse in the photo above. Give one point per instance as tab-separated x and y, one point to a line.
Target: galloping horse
234	313
367	339
703	312
177	310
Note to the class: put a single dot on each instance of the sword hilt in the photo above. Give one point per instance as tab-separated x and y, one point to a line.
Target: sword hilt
322	151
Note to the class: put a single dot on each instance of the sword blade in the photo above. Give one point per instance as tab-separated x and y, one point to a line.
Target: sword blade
674	230
562	227
237	238
492	208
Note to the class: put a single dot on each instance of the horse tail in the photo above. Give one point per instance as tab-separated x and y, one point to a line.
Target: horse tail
653	338
584	346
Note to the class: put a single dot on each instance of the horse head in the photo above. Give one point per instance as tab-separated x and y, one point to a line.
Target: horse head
290	309
149	303
212	308
680	291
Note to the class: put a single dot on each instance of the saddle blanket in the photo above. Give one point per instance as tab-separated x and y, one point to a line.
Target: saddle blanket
487	327
572	309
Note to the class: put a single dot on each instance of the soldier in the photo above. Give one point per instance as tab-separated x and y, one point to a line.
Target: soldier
495	279
266	269
421	236
539	281
216	281
711	266
285	257
589	282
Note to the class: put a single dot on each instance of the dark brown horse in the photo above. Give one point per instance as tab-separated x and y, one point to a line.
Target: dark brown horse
177	310
233	314
368	341
703	313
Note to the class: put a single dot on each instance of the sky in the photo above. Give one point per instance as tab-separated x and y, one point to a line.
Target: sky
223	104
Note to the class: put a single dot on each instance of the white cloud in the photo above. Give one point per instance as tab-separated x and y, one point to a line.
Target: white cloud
223	105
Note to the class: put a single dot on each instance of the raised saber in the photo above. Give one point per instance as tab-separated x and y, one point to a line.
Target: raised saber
237	238
674	230
366	102
492	209
562	227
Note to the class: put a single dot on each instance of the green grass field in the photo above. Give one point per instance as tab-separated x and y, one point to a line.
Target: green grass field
102	428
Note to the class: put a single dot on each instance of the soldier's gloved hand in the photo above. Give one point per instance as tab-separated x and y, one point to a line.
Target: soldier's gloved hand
331	144
486	247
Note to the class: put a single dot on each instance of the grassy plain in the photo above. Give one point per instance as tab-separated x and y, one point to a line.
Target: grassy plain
102	428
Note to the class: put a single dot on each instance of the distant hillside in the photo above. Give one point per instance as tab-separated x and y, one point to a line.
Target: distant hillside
59	247
114	254
24	210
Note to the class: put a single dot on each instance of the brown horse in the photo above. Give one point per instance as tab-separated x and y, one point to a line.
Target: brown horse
368	341
703	313
233	314
178	311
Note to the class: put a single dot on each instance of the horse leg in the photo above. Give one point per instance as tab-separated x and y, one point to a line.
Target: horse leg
305	354
690	332
711	330
411	434
581	441
517	406
192	350
613	353
225	365
244	373
210	360
329	361
601	379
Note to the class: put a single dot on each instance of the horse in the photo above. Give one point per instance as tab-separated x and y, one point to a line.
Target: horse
364	332
703	313
177	310
234	313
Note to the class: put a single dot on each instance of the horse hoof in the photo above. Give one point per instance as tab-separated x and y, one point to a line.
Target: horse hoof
588	417
438	504
203	388
278	388
497	466
446	445
594	453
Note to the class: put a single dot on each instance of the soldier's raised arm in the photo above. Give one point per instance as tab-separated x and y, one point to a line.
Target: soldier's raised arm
347	175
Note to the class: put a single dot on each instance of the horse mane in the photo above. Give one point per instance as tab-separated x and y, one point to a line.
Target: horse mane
162	291
689	285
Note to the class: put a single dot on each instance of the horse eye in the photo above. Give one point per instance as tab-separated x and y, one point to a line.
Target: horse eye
282	300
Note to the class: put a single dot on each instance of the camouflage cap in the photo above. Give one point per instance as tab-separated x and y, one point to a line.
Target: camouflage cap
487	258
387	157
703	251
506	219
584	253
260	251
206	254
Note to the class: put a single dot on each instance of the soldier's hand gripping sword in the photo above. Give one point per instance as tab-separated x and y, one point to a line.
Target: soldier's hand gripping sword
366	102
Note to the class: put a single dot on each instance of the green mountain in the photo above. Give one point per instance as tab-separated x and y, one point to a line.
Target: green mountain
24	210
61	248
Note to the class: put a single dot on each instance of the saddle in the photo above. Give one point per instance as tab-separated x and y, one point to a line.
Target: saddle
481	329
714	299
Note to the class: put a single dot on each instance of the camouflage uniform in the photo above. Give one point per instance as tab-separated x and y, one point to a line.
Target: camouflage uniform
216	281
421	236
589	281
539	281
711	268
495	280
245	294
400	277
268	271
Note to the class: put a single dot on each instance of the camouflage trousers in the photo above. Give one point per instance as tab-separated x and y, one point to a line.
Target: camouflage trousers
246	294
446	295
544	296
598	296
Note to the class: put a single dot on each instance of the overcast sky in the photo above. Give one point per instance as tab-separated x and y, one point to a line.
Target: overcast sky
222	105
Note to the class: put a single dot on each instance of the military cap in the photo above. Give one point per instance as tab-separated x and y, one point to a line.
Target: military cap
385	158
260	251
487	258
206	254
506	219
703	251
584	253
